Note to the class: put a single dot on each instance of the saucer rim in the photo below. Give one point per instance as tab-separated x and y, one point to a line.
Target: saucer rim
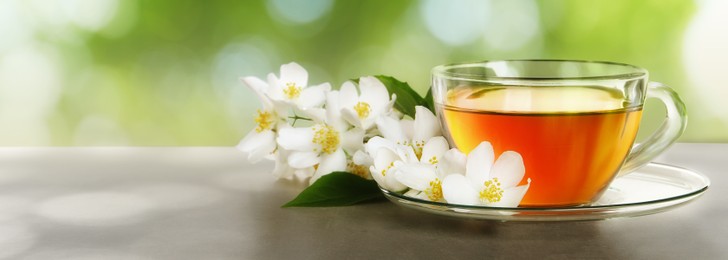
582	212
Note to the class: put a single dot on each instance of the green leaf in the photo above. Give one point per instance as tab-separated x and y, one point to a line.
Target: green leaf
407	98
429	101
337	189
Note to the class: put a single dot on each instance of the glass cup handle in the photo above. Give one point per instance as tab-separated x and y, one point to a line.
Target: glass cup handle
673	126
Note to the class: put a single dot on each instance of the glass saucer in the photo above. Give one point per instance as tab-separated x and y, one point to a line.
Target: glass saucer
653	188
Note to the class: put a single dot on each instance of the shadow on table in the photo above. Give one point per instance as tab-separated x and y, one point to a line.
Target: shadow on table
382	229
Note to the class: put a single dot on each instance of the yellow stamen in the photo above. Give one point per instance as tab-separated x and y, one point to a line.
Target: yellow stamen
433	160
362	109
327	137
358	170
492	191
264	119
384	172
291	90
434	192
417	146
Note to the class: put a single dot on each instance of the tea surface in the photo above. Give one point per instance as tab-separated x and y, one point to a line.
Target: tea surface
568	136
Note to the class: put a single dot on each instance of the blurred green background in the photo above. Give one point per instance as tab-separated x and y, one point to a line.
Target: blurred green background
132	72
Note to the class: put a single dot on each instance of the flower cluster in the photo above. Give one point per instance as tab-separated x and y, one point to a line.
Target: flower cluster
412	157
311	131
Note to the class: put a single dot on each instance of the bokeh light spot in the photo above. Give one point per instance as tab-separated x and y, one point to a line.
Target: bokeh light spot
455	23
299	11
29	89
514	24
14	29
705	54
90	14
250	57
95	209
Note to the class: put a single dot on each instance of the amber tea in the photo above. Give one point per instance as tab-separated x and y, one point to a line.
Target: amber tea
569	136
573	122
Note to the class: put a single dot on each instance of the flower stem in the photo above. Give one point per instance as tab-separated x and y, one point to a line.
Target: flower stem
296	118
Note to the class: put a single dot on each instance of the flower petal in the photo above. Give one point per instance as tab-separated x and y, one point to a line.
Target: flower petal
390	129
509	169
316	114
415	175
408	128
426	124
372	146
368	122
362	158
406	153
300	160
281	107
453	162
390	104
258	145
384	159
274	91
259	87
348	94
330	163
352	140
513	196
457	190
350	116
416	194
251	141
393	183
383	172
313	96
333	110
333	103
388	181
281	168
412	193
303	174
296	138
480	159
373	92
255	84
378	177
434	148
294	73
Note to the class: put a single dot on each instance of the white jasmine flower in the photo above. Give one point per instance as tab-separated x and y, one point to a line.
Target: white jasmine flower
324	145
453	162
358	167
424	181
284	171
383	155
362	109
423	174
409	151
292	89
433	151
485	182
260	142
413	133
360	163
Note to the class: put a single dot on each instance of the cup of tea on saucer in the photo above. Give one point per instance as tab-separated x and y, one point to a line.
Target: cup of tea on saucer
573	122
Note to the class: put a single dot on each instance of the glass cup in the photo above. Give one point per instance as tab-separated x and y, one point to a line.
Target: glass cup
573	122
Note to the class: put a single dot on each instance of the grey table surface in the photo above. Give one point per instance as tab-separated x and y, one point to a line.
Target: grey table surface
208	203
